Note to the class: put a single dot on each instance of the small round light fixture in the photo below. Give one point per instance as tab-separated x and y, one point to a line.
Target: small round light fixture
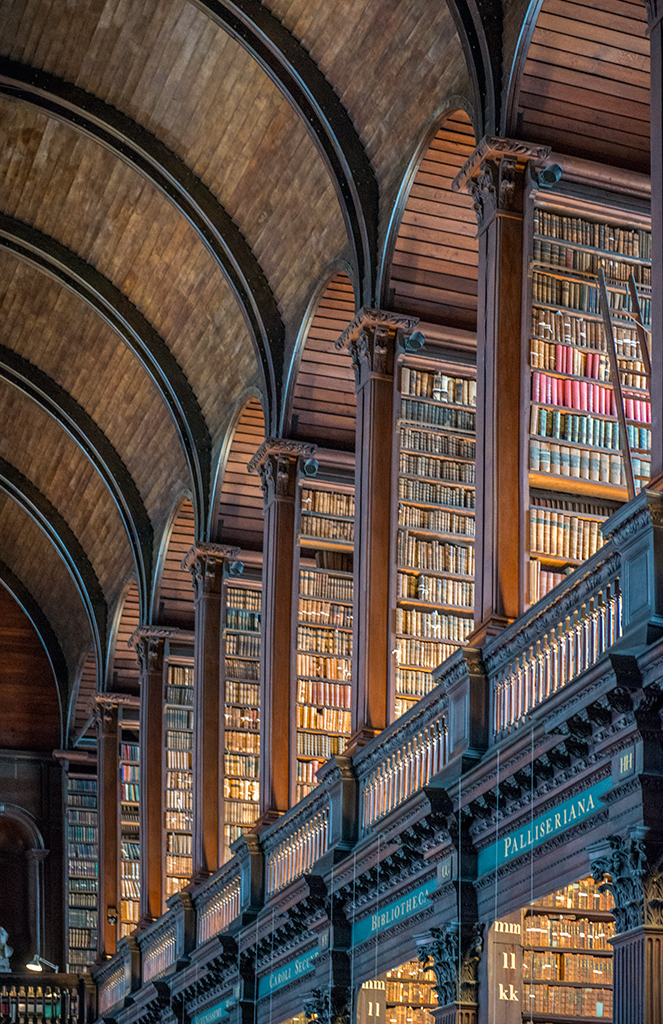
549	176
311	467
414	342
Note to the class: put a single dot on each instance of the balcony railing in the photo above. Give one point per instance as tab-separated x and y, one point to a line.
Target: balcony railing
218	903
297	840
159	950
113	984
54	1000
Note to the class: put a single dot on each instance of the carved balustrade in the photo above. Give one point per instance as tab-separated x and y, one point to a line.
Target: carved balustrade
218	902
294	843
113	980
158	946
53	997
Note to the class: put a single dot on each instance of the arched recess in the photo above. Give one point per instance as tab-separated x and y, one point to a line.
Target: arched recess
31	712
239	509
323	406
22	854
123	674
80	706
173	602
580	80
434	256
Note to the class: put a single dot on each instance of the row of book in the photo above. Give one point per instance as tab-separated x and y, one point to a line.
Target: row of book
565	536
178	865
315	744
83	868
130	772
243	718
75	785
410	992
242	670
179	821
435	590
325	613
179	695
244	598
404	1014
83	899
581	296
575	359
542	581
79	958
327	719
634	242
81	885
568	258
82	817
402	705
580	463
437	468
241	813
422	653
332	695
552	966
568	932
319	667
326	641
410	682
413	411
179	740
178	718
179	799
82	918
129	851
242	765
178	759
180	675
573	394
243	646
336	561
435	494
81	938
331	503
243	619
82	800
571	1002
438	386
437	443
130	910
582	895
435	520
175	884
179	780
306	771
241	789
586	429
431	554
179	842
242	693
324	585
82	833
84	850
129	751
560	326
242	742
328	529
432	624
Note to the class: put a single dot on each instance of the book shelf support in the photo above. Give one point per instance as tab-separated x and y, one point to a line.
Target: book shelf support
655	18
108	762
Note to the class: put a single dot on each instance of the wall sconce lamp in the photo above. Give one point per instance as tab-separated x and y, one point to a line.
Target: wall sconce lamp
36	964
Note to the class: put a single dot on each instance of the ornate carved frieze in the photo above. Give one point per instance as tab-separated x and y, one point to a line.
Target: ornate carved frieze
370	339
205	563
276	462
454	953
623	867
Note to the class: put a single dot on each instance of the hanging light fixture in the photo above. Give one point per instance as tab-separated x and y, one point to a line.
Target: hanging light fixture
36	964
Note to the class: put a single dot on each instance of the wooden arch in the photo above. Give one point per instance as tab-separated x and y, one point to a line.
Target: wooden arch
239	518
173	594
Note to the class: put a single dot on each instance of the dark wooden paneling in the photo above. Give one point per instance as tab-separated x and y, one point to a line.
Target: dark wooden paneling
324	407
435	262
585	83
29	710
175	599
123	676
240	517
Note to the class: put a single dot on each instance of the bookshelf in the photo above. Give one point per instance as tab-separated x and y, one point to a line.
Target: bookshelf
567	956
241	647
323	621
129	832
577	476
82	870
178	775
410	994
434	475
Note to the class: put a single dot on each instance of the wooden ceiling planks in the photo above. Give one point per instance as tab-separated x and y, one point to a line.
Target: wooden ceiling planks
324	406
167	65
123	675
85	691
73	189
240	507
434	268
174	602
33	559
47	324
30	718
585	83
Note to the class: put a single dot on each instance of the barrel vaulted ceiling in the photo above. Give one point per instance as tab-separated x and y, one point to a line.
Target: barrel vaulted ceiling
179	181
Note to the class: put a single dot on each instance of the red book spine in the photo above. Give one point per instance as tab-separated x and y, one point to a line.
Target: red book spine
536	387
584	396
554	381
560	358
575	390
568	393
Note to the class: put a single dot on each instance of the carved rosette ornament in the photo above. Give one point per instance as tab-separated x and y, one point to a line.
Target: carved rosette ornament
622	866
490	175
205	563
453	952
275	461
370	338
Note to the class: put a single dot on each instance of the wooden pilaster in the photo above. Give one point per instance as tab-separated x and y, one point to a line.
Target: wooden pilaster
205	562
108	776
276	461
655	18
371	340
149	645
494	176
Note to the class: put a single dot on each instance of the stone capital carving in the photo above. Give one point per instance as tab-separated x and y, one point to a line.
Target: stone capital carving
453	952
276	462
329	1006
149	650
370	339
205	563
623	867
491	174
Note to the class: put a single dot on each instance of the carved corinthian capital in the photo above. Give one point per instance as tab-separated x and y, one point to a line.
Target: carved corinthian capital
453	952
491	173
205	563
636	884
370	339
276	462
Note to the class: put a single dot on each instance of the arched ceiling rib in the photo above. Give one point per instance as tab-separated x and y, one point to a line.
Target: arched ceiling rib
149	156
93	442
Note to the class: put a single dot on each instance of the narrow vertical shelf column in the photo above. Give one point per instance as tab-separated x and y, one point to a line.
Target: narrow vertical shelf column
276	462
108	768
371	340
149	646
494	176
655	18
205	562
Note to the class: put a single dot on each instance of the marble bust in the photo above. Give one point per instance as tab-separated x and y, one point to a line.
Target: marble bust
5	952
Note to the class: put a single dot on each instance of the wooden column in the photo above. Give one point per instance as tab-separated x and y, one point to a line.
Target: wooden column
655	18
108	793
276	462
149	645
371	340
205	562
494	176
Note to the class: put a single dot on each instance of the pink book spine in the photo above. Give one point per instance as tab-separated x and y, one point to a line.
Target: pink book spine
560	359
536	387
554	381
568	393
575	388
584	395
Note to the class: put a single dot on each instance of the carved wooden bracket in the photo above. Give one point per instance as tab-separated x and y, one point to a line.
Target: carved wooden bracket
491	174
370	339
205	563
276	462
624	868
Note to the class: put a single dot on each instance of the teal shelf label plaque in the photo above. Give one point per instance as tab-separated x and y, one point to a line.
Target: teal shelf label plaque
405	907
215	1013
544	827
284	975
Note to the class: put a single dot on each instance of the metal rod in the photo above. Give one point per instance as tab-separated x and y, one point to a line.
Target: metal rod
616	383
640	327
